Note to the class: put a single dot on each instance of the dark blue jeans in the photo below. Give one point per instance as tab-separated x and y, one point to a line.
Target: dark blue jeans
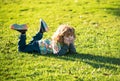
33	46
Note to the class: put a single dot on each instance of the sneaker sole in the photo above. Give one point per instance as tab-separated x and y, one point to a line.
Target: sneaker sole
12	27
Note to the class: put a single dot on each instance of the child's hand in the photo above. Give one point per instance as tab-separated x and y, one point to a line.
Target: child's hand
66	41
71	39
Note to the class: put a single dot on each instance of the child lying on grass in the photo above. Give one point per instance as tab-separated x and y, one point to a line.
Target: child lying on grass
61	43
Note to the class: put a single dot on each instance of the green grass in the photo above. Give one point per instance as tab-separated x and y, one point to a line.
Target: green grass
97	25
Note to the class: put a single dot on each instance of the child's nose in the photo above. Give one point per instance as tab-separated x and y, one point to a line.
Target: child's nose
70	36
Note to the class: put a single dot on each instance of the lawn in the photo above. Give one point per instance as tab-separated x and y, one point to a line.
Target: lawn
97	26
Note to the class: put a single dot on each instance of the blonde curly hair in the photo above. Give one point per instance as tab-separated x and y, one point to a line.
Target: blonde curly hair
63	30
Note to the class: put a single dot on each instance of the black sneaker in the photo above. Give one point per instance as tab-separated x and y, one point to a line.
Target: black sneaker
43	26
21	28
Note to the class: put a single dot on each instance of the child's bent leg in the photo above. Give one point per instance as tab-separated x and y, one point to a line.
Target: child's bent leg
37	37
22	42
34	47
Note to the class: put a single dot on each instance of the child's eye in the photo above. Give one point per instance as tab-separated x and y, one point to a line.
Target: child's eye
70	35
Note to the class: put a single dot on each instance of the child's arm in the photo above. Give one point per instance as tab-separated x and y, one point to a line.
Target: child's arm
72	48
63	50
55	47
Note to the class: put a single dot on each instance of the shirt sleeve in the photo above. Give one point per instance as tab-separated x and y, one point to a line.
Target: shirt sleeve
55	47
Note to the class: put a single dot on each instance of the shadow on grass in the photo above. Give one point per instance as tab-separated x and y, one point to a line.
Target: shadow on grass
93	60
113	11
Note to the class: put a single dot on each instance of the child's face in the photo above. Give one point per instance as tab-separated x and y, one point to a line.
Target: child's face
69	39
69	35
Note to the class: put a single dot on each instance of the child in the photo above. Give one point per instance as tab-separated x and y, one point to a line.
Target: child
44	46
